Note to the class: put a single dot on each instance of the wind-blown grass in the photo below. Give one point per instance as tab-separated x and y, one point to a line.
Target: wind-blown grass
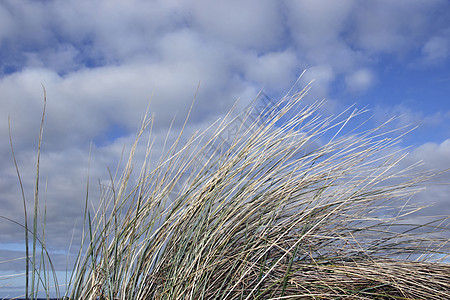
289	208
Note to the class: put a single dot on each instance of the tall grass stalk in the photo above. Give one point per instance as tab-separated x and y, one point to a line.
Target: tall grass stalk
289	207
40	274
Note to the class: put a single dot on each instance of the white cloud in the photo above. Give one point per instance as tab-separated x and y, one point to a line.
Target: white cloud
6	23
25	21
315	24
63	58
392	26
273	70
317	29
322	75
252	24
436	49
360	80
436	157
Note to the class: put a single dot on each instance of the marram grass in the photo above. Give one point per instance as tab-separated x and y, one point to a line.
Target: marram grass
290	207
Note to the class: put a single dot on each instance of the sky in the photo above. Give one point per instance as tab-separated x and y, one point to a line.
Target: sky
101	62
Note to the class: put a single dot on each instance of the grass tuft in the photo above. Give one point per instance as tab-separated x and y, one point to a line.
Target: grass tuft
290	207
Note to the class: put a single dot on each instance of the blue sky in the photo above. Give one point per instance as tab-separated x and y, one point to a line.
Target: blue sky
102	61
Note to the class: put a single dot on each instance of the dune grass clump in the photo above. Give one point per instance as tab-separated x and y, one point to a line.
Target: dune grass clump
289	207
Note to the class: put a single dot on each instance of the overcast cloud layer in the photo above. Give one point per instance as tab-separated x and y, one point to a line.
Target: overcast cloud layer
102	61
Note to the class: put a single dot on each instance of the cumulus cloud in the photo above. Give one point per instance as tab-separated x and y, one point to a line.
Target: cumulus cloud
436	49
360	81
435	157
387	26
244	24
322	76
318	23
317	29
274	70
